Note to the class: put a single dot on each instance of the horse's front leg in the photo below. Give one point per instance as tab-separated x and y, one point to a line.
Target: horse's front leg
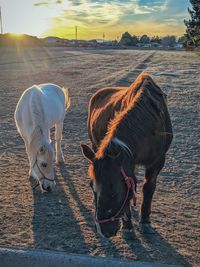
149	187
127	226
28	154
58	138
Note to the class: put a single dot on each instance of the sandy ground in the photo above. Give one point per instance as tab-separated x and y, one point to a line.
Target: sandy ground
62	220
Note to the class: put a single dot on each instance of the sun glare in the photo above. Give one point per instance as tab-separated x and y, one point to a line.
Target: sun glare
17	35
23	17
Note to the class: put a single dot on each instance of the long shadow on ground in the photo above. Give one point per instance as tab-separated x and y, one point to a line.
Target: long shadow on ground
153	247
54	223
106	245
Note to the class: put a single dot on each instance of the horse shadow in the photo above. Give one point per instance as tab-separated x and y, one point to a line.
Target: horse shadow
53	216
153	247
57	224
136	70
107	245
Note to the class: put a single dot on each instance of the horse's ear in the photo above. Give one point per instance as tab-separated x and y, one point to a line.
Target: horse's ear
88	152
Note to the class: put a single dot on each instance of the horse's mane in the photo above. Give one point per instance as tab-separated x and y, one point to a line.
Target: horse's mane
136	109
37	109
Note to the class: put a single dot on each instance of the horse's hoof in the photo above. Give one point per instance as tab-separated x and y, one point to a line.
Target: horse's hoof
146	228
128	234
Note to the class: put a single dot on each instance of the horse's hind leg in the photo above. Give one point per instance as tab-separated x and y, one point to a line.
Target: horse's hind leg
58	138
149	187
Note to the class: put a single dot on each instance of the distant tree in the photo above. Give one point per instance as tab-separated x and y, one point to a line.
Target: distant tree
134	39
169	41
181	40
156	39
193	26
145	39
127	39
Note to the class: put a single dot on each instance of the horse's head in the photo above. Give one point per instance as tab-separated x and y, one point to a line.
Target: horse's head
111	195
42	167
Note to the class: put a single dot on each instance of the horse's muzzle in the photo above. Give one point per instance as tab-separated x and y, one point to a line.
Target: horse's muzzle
48	188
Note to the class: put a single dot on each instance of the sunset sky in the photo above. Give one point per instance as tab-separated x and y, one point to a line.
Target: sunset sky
94	17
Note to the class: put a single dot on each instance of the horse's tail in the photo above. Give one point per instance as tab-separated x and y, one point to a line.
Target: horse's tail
67	97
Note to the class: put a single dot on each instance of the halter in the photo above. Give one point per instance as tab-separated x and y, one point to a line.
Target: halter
41	172
129	181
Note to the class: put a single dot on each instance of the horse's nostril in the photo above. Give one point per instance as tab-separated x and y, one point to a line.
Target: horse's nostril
43	187
48	188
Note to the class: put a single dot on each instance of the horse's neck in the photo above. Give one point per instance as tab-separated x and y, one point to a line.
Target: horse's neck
42	131
39	138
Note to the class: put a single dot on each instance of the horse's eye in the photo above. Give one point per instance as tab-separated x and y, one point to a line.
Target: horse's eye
44	165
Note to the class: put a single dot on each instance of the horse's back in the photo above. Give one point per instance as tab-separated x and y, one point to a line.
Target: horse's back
107	102
102	108
156	128
52	94
40	104
24	105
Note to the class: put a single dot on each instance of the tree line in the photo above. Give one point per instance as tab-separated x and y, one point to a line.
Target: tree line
132	40
190	40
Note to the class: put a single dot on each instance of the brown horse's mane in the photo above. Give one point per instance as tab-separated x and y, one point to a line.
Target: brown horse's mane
134	97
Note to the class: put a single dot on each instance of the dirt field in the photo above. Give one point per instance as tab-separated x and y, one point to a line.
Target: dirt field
62	220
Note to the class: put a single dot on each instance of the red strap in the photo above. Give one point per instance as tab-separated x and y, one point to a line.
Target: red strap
130	186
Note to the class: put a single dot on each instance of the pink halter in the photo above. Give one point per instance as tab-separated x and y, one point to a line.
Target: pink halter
131	187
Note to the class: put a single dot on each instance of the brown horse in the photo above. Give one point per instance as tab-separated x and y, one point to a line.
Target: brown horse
128	126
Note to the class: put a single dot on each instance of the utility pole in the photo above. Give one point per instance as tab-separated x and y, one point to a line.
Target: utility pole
103	37
1	23
76	32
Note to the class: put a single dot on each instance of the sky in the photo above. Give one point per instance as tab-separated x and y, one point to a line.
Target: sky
94	17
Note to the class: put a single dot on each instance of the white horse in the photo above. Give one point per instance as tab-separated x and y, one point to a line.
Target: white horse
40	108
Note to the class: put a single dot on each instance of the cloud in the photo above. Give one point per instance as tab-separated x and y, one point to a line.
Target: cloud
103	12
105	15
48	2
41	4
152	2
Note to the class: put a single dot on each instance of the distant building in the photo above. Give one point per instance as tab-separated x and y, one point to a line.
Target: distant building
178	46
51	40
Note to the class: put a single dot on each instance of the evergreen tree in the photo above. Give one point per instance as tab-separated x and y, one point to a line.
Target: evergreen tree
145	39
155	39
127	39
193	26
